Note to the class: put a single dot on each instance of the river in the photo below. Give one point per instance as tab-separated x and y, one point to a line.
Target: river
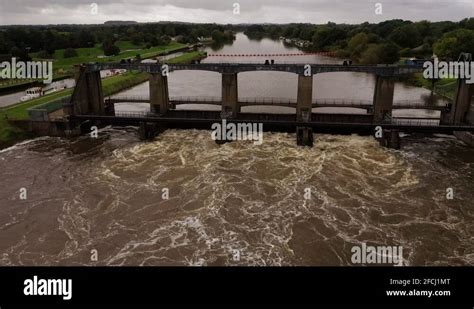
105	195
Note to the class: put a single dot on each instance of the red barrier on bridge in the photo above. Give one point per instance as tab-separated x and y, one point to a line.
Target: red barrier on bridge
328	54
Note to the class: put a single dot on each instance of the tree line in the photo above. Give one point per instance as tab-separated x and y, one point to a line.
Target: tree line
384	42
20	41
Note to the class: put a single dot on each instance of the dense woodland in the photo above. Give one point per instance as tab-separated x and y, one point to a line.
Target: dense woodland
384	42
19	41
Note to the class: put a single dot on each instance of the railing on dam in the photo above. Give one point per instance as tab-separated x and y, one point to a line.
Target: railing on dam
200	99
282	102
409	121
234	68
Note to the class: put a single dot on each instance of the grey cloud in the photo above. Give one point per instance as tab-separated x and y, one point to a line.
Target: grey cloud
220	11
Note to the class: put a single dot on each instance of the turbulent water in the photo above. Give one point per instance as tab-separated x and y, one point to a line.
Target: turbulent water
237	204
107	195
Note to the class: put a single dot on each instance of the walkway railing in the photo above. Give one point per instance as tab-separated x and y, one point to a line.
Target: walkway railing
200	99
134	114
401	121
129	99
266	101
275	101
425	122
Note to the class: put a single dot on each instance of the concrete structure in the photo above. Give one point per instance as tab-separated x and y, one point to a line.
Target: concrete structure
463	110
282	102
235	68
159	94
88	97
87	100
230	96
391	139
383	98
305	98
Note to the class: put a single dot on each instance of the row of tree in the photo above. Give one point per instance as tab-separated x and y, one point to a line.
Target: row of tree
21	40
384	42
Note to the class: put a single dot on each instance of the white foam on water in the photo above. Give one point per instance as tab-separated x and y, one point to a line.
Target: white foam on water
241	197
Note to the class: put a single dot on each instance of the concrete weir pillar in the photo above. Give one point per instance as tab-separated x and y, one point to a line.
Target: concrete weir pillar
305	98
462	111
391	139
230	95
159	94
109	108
148	131
87	97
304	136
383	98
304	108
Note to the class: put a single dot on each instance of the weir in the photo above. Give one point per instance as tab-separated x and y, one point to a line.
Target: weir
463	110
159	94
230	95
87	102
383	98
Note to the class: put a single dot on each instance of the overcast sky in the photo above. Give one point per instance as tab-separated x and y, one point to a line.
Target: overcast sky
222	11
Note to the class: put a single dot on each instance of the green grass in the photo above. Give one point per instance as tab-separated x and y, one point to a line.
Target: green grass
115	84
65	66
19	111
187	58
10	134
17	82
445	87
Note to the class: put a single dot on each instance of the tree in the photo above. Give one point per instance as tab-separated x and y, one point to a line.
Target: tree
137	38
165	40
85	39
406	36
388	53
44	54
453	43
217	36
468	23
357	45
307	34
170	31
370	55
70	53
327	35
110	49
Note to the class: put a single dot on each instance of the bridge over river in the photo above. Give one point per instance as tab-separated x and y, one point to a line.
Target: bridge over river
88	103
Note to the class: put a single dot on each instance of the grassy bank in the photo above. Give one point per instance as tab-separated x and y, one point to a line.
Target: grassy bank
64	67
443	87
10	134
187	58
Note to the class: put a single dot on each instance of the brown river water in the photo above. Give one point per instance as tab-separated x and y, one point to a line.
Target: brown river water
105	195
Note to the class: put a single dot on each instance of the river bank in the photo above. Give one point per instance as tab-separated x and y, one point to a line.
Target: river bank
445	88
10	134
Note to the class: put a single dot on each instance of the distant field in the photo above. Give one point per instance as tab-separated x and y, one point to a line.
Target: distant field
64	66
9	133
187	58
